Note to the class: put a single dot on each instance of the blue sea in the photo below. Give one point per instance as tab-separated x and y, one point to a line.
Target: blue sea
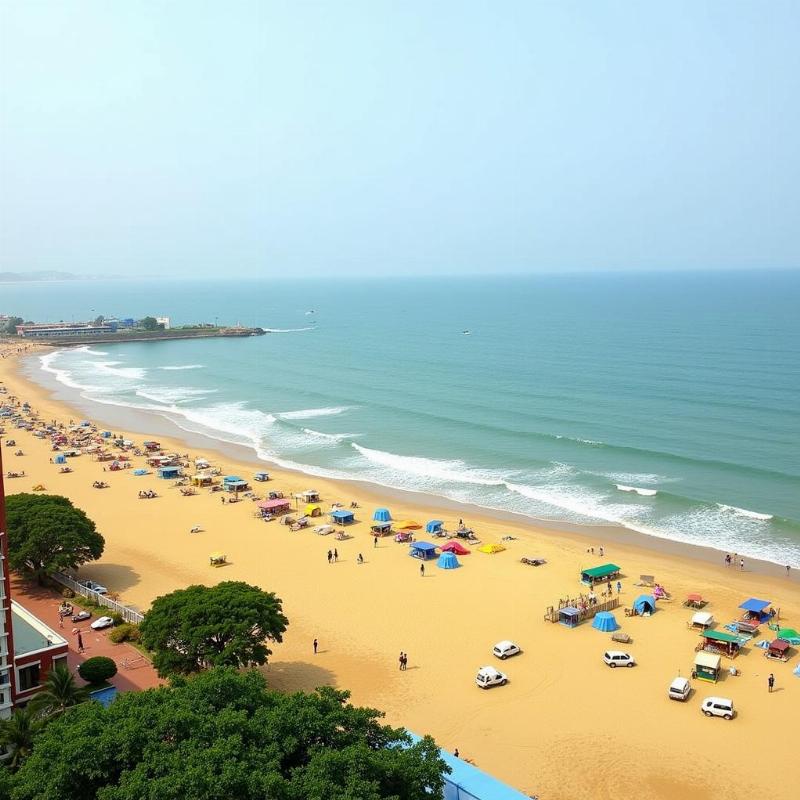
668	404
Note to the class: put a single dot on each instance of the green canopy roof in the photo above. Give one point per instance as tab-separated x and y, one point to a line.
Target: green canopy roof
601	572
721	636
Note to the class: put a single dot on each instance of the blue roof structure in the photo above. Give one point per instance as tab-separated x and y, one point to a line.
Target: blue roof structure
231	479
755	605
423	550
342	516
448	561
466	782
605	621
382	515
168	472
60	459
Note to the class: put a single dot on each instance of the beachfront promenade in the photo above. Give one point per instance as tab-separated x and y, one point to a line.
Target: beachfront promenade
563	711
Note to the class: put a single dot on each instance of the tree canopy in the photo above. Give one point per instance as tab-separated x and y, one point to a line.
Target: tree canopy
46	533
223	734
224	625
150	324
11	324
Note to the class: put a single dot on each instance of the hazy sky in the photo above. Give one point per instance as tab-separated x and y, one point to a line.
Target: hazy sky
391	137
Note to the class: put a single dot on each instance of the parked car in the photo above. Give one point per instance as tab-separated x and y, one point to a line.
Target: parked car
505	649
95	587
102	622
679	689
616	658
489	676
81	616
718	707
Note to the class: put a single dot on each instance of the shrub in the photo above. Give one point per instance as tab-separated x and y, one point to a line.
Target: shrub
117	617
125	633
67	592
97	669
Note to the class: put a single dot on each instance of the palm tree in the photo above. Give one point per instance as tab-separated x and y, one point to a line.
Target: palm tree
17	735
58	693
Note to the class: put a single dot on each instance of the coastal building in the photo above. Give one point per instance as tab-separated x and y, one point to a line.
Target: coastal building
50	330
164	321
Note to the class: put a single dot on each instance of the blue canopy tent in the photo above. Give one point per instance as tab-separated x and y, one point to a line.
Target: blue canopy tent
106	434
60	459
140	472
169	472
434	526
423	550
342	517
569	616
644	604
757	609
448	561
382	515
604	621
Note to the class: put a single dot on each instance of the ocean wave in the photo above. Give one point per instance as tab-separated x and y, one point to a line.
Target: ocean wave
87	349
310	413
184	366
628	478
63	376
334	437
637	490
288	330
113	368
170	394
743	512
455	471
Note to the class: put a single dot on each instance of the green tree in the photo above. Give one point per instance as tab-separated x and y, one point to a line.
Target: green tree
17	734
97	669
150	324
11	324
224	625
59	692
223	734
46	533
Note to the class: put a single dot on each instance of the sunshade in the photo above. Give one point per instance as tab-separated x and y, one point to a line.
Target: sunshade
455	547
408	525
491	548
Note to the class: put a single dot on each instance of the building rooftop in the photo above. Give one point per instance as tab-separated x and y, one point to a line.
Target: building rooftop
30	633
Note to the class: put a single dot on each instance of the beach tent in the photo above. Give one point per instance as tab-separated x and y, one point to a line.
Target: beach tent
236	486
342	517
168	473
434	526
706	666
779	650
140	472
756	609
604	621
408	525
261	476
60	459
382	515
106	434
721	642
275	506
423	550
702	619
454	546
790	635
448	561
381	528
491	549
644	604
313	510
605	572
569	616
202	479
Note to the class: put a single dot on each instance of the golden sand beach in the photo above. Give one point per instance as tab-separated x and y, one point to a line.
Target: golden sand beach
565	727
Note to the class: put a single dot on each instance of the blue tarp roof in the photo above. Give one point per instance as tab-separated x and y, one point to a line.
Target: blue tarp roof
644	600
231	479
605	621
433	525
754	604
382	515
424	546
469	782
569	611
342	514
448	561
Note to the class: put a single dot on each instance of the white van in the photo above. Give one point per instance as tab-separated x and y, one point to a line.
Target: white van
489	676
679	689
718	707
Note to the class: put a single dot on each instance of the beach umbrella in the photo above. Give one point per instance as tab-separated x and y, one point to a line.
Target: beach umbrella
448	561
408	525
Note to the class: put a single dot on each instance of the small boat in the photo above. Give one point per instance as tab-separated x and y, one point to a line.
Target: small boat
466	333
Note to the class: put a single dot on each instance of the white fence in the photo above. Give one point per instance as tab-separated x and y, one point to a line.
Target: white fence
128	614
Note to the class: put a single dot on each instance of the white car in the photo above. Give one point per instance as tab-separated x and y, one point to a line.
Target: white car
102	622
489	676
718	707
679	689
505	649
95	587
616	658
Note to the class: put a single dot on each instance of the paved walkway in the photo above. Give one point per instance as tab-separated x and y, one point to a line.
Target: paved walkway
43	602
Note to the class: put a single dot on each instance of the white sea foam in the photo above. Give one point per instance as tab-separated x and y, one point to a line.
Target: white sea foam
310	413
63	376
184	366
637	490
334	437
455	471
113	368
743	512
288	330
87	349
169	395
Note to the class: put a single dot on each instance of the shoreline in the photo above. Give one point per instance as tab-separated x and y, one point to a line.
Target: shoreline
147	422
563	711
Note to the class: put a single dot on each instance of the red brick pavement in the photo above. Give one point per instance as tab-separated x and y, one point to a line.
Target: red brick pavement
43	602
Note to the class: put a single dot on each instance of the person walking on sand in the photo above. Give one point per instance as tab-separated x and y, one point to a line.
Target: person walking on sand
400	661
404	661
316	645
771	682
601	551
741	564
422	570
360	559
80	642
375	539
619	587
335	554
330	556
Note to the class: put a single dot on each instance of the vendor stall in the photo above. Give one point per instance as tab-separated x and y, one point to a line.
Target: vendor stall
706	667
724	644
422	550
605	572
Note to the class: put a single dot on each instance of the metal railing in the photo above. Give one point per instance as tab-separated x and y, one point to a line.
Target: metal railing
128	614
